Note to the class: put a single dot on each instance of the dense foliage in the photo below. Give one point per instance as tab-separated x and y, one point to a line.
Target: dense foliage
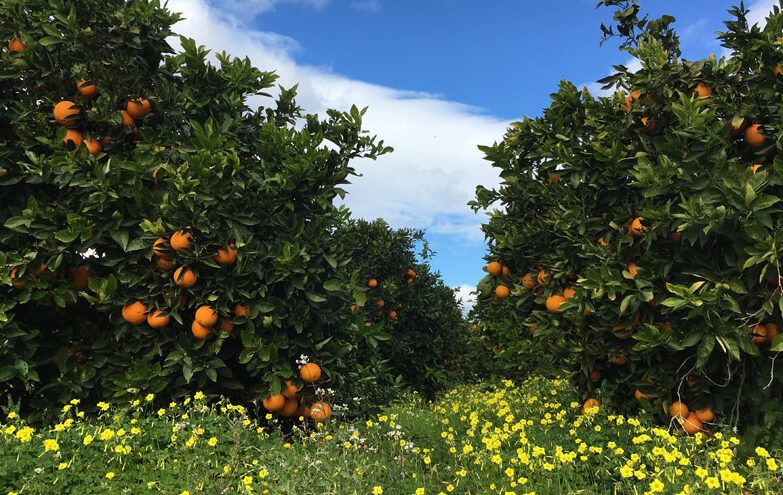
150	147
642	230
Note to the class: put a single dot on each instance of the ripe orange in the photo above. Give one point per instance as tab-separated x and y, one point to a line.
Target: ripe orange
692	424
542	277
74	137
754	137
675	236
127	119
241	309
16	45
290	389
226	255
494	268
93	146
18	284
274	403
758	333
227	326
678	410
181	240
602	242
772	332
184	277
702	90
410	272
555	178
199	331
409	280
156	319
705	415
393	315
621	332
380	303
310	373
649	123
755	168
634	95
619	360
639	395
86	89
636	228
290	408
134	313
138	108
568	293
206	316
528	282
159	248
777	70
505	271
594	376
164	263
502	292
372	283
80	277
64	111
633	269
320	411
554	302
591	404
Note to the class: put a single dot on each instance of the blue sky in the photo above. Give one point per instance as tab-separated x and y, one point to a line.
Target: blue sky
440	77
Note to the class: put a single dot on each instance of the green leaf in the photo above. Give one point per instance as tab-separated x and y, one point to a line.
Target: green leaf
49	41
704	350
120	237
332	285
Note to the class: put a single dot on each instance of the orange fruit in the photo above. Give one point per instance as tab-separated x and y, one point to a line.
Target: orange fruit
127	119
320	411
542	277
134	313
633	269
18	284
372	283
74	137
159	248
393	315
380	303
241	309
164	263
678	410
635	228
528	282
274	403
290	408
554	302
93	146
675	236
410	272
758	333
80	277
494	268
777	70
772	332
602	242
310	373
409	280
184	277
156	319
755	168
290	389
705	415
181	240
702	90
502	292
692	424
86	89
227	326
64	111
555	178
639	395
634	95
591	404
568	293
138	108
199	331
754	137
649	123
226	255
594	376
206	316
505	271
621	332
16	45
619	360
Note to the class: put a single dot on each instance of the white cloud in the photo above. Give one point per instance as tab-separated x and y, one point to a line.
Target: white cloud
436	166
247	10
367	5
466	296
759	10
596	89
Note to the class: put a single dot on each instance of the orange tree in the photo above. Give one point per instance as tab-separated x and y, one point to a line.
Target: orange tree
413	326
643	229
158	233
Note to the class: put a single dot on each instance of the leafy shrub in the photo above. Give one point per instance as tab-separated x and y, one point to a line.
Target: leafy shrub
659	206
79	223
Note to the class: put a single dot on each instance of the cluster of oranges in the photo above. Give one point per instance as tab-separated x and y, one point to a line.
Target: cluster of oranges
496	269
289	405
380	303
691	421
764	333
205	316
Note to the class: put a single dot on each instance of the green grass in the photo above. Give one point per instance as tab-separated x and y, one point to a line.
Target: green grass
480	439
